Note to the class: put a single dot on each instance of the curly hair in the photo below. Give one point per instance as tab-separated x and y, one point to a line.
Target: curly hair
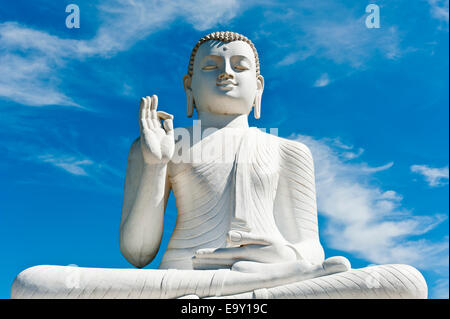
223	36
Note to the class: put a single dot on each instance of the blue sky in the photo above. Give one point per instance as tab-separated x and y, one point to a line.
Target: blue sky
372	104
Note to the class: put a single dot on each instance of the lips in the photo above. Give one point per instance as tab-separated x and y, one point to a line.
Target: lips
226	85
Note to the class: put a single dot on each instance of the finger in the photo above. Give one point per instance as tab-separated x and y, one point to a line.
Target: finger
146	112
165	116
168	121
219	253
154	119
205	251
250	252
213	263
235	237
150	124
168	126
259	267
142	120
154	106
210	266
258	253
152	115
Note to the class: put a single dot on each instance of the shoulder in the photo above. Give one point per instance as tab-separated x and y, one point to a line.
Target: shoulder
292	152
295	155
295	145
291	147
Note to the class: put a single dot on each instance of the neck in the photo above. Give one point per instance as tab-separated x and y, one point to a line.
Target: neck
221	121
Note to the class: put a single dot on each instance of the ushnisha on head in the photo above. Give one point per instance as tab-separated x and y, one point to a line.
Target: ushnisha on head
223	76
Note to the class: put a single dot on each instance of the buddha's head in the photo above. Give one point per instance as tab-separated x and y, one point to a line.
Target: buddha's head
223	76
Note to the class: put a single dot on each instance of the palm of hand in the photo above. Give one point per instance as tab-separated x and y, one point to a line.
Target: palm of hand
245	247
157	142
257	253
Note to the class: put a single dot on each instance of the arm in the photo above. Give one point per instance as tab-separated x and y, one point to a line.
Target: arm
146	186
145	197
295	205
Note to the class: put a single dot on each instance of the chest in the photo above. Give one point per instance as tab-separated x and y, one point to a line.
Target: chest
225	159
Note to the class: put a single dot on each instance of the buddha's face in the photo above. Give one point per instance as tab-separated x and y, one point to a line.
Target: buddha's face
224	78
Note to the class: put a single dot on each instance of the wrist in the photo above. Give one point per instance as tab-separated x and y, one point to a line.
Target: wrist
161	158
154	166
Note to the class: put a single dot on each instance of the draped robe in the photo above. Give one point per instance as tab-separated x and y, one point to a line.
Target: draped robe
246	180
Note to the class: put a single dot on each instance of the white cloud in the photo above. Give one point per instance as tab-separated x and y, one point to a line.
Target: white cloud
364	219
434	176
440	289
136	19
353	155
30	59
328	30
322	81
346	151
439	9
368	169
29	81
350	42
204	15
76	164
98	175
293	58
333	31
70	164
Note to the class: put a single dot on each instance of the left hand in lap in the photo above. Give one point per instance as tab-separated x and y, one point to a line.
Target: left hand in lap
244	247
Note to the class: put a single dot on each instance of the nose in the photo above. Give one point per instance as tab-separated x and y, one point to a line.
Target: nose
227	72
225	76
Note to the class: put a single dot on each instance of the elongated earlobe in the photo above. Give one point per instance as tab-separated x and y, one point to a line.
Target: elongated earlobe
258	96
257	106
189	95
190	102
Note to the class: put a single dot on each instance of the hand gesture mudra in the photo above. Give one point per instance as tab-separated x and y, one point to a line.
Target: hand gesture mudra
252	253
157	142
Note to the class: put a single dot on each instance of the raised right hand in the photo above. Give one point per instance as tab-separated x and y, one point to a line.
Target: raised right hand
157	143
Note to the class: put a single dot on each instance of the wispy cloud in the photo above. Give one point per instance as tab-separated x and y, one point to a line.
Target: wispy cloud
333	31
434	176
440	289
102	175
366	220
322	81
44	159
136	19
30	59
29	81
70	164
345	151
439	9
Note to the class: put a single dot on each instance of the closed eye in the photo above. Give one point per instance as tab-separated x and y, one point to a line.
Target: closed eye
241	67
209	67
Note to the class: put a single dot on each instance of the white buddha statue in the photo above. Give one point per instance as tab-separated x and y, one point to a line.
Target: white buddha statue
246	205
